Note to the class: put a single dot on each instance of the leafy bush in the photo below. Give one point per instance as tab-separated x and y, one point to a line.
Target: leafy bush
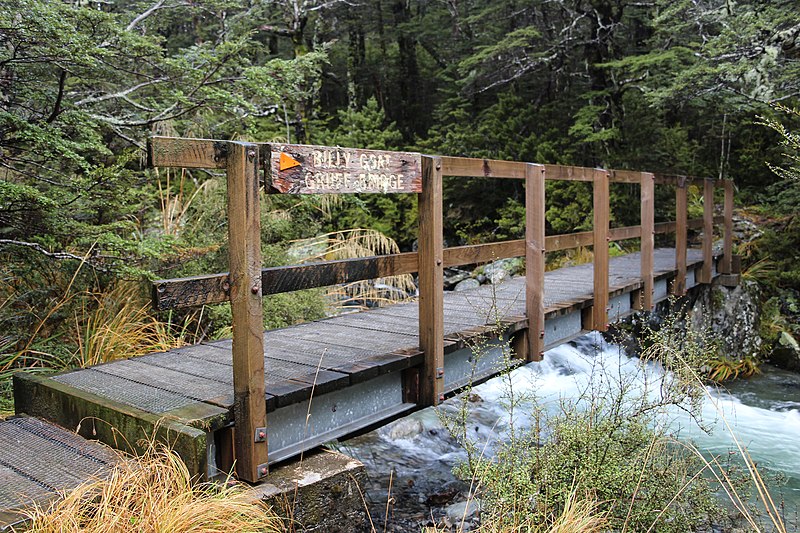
612	444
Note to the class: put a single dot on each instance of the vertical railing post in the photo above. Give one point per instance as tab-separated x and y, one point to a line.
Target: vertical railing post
244	237
647	192
708	230
534	258
431	272
727	253
600	245
681	237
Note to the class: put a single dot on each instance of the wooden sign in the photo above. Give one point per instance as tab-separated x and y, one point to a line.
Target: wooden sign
301	169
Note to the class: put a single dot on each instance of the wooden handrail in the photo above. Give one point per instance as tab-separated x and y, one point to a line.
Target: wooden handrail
194	291
298	169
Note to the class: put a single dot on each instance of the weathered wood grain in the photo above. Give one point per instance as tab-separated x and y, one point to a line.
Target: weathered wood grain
431	259
600	246
647	218
483	253
482	168
244	258
624	176
569	173
174	152
301	169
568	240
681	239
624	233
534	259
708	231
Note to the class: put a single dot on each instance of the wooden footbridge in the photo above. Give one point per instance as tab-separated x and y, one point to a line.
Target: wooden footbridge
264	397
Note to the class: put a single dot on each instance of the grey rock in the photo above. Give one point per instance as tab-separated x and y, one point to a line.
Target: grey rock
405	428
733	316
465	509
786	353
469	283
453	277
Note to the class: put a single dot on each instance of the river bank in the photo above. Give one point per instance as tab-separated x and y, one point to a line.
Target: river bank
410	462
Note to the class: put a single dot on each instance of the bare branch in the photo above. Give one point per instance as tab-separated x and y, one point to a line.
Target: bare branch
55	255
120	94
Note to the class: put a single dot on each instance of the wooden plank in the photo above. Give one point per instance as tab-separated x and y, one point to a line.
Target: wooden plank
681	239
708	231
647	193
665	227
431	322
624	176
624	233
727	248
568	240
534	260
674	180
302	169
600	245
244	257
179	293
214	288
177	152
569	173
482	168
483	253
292	278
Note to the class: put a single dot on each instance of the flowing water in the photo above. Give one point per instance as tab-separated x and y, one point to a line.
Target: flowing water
411	460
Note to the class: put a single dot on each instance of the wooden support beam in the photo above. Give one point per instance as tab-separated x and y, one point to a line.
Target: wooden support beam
647	242
624	176
727	250
569	173
681	236
600	244
482	168
483	253
566	241
174	152
534	259
431	274
244	237
708	231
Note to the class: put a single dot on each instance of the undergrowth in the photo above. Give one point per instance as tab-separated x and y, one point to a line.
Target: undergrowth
609	460
152	492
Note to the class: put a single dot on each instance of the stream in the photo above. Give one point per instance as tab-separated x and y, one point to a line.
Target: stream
411	459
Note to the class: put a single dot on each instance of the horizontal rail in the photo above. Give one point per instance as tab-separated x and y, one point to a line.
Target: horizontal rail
214	288
482	168
206	153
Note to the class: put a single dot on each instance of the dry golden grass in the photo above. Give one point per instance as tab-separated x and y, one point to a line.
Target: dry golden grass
355	243
118	325
153	492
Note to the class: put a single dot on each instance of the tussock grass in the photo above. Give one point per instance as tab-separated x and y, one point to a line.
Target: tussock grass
118	325
153	492
355	243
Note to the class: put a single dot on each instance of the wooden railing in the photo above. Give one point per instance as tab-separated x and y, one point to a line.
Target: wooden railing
298	169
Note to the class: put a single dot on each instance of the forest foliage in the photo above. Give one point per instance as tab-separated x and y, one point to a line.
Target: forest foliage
659	86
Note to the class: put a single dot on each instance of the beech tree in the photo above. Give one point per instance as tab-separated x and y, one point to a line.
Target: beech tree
83	84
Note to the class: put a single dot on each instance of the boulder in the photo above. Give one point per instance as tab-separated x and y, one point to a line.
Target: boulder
469	283
786	352
733	316
466	509
405	428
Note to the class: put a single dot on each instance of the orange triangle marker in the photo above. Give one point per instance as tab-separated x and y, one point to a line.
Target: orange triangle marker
286	162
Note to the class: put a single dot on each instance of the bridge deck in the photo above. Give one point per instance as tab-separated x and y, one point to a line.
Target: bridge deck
190	389
38	460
